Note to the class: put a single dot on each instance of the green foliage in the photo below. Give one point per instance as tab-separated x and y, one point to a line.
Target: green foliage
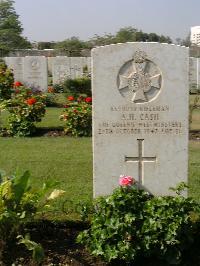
72	46
25	108
37	250
130	224
58	88
128	34
19	204
6	82
51	100
193	106
10	28
78	116
78	86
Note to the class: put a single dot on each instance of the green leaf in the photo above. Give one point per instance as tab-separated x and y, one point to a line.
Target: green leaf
38	253
20	185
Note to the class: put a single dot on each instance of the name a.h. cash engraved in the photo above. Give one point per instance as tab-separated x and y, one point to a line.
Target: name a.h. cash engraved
141	116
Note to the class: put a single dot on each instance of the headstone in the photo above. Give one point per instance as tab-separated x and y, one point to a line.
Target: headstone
49	65
35	72
17	65
60	69
64	67
194	72
140	115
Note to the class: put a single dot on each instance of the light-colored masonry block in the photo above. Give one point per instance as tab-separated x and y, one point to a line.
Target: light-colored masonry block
35	72
140	115
64	67
17	65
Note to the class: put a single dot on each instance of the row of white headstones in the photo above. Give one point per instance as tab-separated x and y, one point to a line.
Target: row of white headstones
33	70
140	114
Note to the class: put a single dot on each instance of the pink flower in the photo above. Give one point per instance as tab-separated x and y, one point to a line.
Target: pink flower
126	180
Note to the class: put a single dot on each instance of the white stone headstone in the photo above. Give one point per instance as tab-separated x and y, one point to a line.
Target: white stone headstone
60	69
140	115
193	75
35	72
17	65
64	67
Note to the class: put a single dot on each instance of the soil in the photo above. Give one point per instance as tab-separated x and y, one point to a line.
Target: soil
58	240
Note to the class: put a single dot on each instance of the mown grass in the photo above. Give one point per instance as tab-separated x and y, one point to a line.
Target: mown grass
69	160
51	118
195	125
194	169
63	159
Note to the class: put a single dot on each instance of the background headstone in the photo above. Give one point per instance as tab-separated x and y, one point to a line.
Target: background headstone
140	115
64	67
194	72
35	72
17	65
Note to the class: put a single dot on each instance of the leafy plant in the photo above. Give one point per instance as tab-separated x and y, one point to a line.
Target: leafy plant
6	82
58	88
78	116
78	86
131	224
193	106
19	204
25	108
36	248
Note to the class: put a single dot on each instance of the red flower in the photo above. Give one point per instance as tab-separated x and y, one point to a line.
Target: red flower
31	101
70	98
17	91
88	100
66	106
18	84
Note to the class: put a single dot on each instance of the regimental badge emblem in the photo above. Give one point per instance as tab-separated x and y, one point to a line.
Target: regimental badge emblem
35	64
139	80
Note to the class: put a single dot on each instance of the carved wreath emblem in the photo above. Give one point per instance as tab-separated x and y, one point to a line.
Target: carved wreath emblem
139	80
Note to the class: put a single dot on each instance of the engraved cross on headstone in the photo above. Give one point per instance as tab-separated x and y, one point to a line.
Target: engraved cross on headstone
140	160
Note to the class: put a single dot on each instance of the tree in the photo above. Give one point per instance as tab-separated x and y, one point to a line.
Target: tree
72	46
11	28
126	34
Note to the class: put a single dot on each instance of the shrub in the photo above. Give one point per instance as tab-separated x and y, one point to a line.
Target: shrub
19	204
130	224
25	108
58	88
78	116
6	82
78	86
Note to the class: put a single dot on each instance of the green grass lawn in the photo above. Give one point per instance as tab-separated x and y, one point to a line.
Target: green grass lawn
194	169
196	120
51	118
63	159
69	160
